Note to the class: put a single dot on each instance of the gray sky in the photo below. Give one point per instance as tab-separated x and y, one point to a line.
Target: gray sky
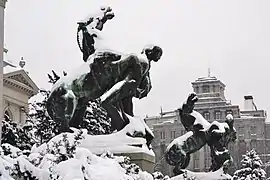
234	36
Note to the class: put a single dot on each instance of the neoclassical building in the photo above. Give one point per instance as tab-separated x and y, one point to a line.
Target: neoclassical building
18	88
253	129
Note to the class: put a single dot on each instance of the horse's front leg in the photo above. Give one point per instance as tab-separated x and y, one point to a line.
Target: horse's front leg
179	150
60	106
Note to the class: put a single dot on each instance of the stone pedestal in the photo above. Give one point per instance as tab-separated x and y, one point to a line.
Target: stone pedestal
119	143
143	160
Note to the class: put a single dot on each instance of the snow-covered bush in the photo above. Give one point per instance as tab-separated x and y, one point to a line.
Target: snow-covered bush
62	158
96	120
44	128
251	168
15	135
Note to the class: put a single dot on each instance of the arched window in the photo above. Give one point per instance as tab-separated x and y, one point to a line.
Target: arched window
8	115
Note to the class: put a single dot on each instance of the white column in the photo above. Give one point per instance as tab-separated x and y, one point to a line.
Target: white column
2	9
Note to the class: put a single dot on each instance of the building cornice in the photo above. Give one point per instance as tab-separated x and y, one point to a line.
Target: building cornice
19	86
25	76
3	3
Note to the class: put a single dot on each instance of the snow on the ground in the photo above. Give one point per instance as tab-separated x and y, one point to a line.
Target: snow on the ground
216	175
95	168
118	142
44	163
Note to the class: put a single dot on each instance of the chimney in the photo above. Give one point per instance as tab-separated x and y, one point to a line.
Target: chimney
249	104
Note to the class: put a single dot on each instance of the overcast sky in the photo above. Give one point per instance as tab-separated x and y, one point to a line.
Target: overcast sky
232	37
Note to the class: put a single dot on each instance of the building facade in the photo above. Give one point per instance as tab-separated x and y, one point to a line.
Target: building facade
18	88
252	129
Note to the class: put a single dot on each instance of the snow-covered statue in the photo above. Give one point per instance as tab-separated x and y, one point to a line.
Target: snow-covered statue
200	132
110	78
89	30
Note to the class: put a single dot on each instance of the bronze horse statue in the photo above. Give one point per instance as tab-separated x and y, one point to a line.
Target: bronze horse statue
200	132
111	78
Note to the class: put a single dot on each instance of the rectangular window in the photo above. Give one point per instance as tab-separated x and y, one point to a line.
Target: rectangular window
196	164
217	115
241	131
172	134
214	88
196	160
197	90
229	112
206	115
206	89
162	135
253	130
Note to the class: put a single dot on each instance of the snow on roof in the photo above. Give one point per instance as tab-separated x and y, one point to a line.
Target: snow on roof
8	63
10	69
206	79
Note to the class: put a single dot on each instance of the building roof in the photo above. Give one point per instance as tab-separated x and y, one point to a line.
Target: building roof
19	78
207	79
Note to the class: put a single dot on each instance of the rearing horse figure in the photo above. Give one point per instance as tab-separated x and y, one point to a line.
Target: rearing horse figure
106	76
199	133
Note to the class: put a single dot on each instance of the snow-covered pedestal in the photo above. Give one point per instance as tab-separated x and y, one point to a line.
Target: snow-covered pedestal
121	144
